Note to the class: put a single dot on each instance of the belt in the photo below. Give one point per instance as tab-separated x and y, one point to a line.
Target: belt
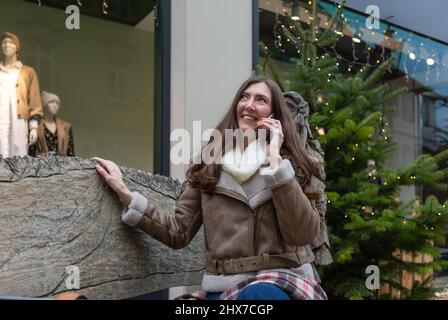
253	263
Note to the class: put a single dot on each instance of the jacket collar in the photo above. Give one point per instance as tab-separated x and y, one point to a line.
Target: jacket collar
253	192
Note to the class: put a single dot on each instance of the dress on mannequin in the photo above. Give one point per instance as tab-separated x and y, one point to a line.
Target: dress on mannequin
20	106
55	135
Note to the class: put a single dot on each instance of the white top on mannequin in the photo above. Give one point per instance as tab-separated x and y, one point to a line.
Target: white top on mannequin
10	126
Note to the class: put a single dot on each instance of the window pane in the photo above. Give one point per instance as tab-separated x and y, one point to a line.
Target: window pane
103	72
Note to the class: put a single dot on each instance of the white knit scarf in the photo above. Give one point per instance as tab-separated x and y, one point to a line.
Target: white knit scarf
242	165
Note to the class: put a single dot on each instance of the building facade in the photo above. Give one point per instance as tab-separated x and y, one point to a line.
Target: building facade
128	73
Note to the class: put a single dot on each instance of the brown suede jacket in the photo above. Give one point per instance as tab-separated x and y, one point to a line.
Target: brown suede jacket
265	223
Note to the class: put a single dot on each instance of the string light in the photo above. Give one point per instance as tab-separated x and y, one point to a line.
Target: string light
357	39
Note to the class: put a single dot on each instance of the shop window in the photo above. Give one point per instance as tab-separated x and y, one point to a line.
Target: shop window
103	72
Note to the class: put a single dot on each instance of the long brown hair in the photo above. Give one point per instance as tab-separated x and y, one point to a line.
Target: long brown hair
205	176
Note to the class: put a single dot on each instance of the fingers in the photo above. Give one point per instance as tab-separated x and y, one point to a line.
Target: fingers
272	128
106	164
266	122
266	125
275	121
97	159
102	172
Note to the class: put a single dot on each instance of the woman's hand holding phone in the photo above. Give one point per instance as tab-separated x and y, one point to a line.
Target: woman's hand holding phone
274	127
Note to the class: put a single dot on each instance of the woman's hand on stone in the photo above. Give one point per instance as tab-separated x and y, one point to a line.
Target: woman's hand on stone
111	173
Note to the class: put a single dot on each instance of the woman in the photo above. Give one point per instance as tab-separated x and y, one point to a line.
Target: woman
257	224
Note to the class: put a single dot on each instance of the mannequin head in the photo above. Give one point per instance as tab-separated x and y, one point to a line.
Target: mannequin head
52	108
10	44
50	103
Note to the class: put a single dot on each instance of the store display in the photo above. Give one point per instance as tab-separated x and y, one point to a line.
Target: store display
54	135
20	105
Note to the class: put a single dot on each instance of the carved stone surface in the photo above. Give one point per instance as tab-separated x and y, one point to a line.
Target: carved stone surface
56	212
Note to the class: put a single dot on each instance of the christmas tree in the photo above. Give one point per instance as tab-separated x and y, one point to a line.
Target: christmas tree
368	223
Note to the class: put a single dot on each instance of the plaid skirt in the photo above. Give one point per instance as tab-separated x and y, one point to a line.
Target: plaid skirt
297	288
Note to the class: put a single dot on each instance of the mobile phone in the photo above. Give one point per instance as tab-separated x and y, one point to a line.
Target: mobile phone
268	132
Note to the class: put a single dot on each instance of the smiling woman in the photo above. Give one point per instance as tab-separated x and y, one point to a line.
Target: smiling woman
258	227
256	99
254	104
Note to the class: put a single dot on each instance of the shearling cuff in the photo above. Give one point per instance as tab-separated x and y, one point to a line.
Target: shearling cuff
135	211
278	176
33	124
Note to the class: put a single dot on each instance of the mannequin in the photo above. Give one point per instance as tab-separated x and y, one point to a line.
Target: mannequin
20	106
54	135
